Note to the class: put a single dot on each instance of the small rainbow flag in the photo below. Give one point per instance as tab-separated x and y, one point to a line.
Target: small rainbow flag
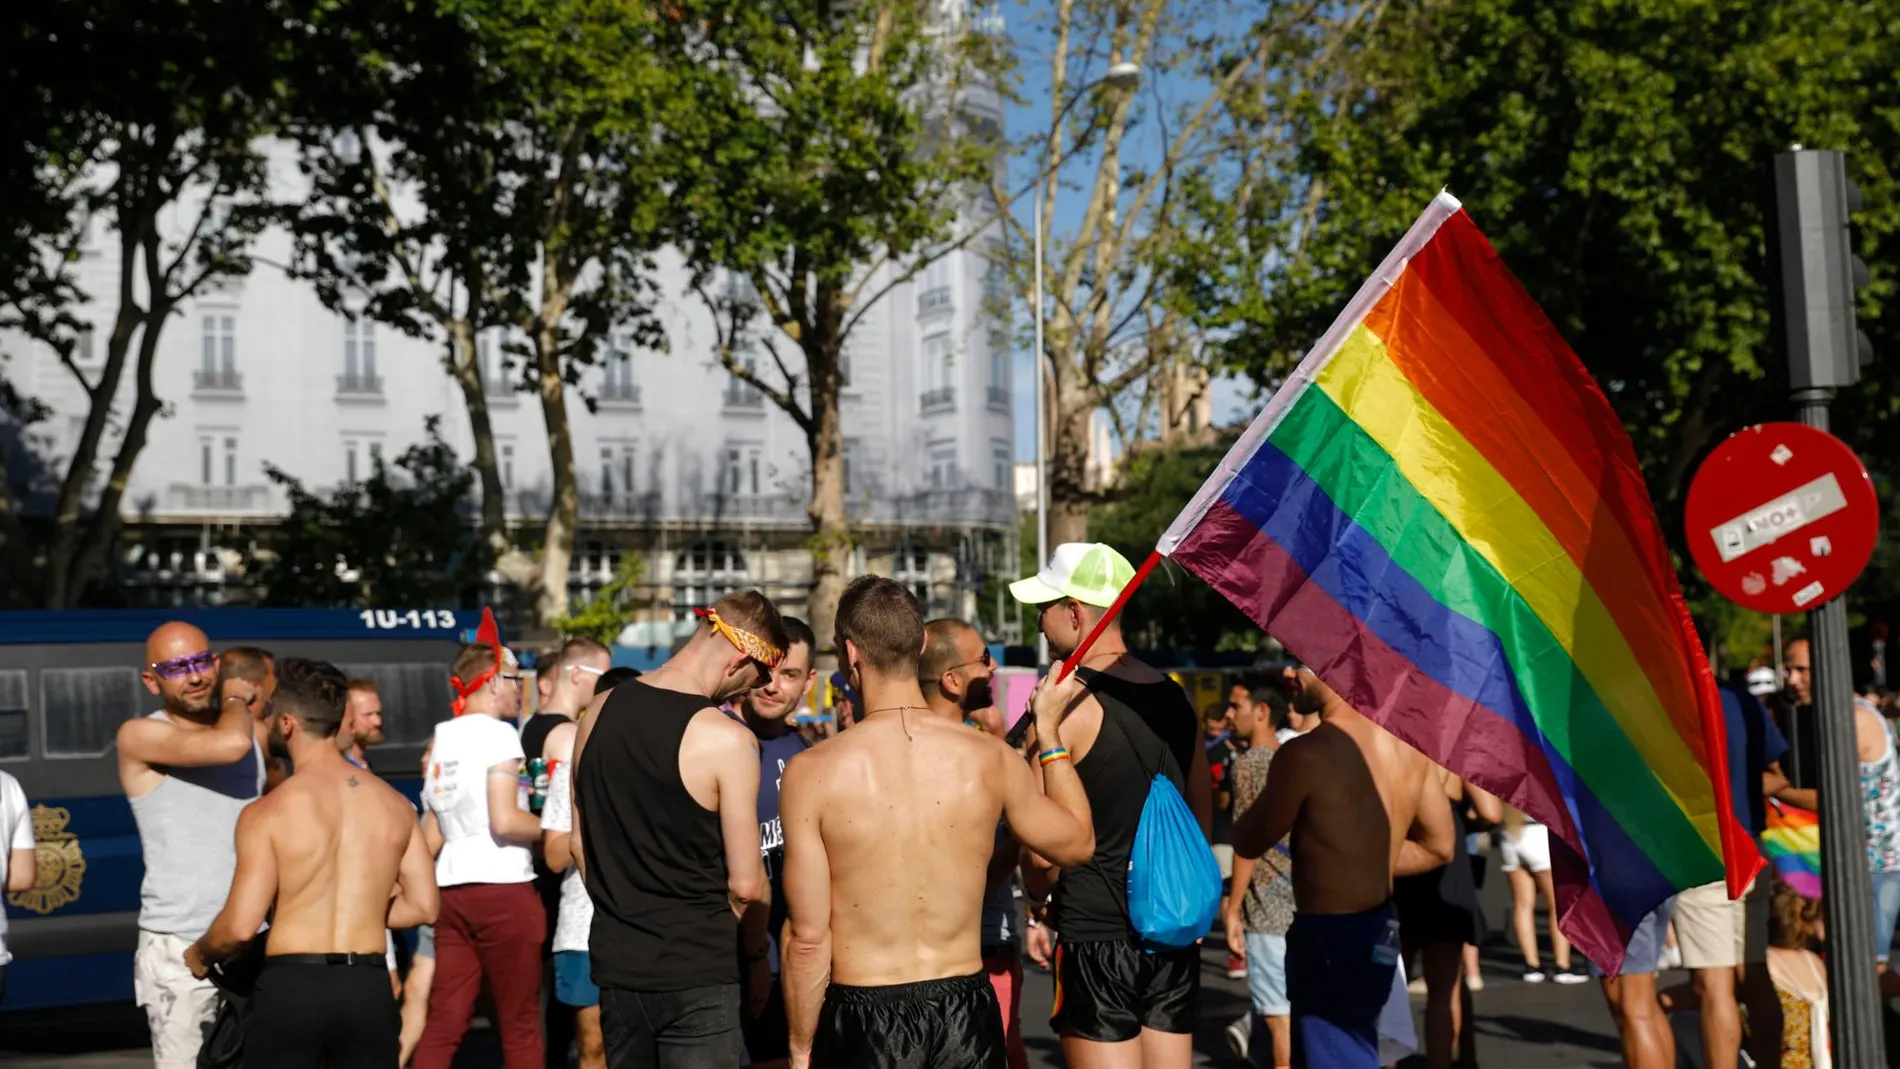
1440	513
1792	842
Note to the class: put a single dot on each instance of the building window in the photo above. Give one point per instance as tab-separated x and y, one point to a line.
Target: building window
349	462
942	473
934	287
230	462
939	372
740	393
606	473
850	458
626	470
910	568
360	354
1004	463
618	383
220	344
375	456
507	466
82	347
204	461
742	463
703	573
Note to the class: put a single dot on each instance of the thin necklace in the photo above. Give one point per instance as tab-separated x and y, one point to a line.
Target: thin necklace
902	720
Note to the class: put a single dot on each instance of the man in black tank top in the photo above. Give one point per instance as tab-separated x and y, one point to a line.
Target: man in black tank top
665	815
1135	723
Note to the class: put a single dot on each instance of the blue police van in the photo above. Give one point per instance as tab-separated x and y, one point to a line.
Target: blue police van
69	679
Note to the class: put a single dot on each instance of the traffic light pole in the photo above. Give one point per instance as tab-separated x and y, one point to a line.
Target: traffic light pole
1854	1002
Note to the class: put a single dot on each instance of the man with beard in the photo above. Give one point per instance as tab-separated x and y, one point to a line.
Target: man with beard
767	712
666	789
334	857
955	672
362	722
187	770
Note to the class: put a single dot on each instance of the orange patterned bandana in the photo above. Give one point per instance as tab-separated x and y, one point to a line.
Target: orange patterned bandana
744	641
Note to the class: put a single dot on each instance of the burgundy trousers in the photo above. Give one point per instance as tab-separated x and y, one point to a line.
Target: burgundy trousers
491	930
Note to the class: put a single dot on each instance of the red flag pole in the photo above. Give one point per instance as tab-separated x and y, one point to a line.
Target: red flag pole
1101	625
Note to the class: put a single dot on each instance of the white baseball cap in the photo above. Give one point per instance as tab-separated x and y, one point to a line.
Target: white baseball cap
1088	572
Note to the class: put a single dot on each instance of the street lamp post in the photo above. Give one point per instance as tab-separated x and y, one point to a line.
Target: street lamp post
1121	76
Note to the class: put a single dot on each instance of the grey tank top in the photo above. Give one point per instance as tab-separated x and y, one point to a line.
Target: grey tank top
188	833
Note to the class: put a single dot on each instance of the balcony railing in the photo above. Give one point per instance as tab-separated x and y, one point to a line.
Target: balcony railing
934	299
217	380
353	384
942	400
188	497
744	397
620	392
999	398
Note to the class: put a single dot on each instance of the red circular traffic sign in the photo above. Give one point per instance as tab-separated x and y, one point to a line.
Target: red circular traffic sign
1781	517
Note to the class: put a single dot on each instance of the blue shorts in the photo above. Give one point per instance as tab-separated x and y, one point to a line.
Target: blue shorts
1338	986
1647	944
1266	974
574	981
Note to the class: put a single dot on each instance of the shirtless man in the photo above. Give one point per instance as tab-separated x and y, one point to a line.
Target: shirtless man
339	854
889	829
1340	787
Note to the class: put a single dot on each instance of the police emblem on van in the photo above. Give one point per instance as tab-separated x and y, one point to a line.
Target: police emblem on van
60	865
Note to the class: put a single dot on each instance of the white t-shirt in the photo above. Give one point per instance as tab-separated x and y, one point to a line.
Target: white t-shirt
456	791
16	833
576	918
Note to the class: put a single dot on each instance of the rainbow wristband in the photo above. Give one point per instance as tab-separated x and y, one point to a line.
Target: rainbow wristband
1051	756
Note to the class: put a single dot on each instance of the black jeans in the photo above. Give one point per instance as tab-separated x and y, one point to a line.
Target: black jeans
697	1028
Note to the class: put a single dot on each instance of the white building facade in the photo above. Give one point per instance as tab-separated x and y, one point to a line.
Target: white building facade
678	461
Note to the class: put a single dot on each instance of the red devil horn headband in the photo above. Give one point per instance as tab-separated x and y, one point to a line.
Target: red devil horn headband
488	634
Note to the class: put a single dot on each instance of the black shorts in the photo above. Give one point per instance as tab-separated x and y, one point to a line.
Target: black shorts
1108	991
339	1016
933	1024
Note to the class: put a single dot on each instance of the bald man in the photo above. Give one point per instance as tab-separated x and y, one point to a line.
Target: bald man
188	770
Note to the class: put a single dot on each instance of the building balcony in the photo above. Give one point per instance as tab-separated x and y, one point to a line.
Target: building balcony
217	381
943	400
354	384
934	299
741	398
966	505
191	497
621	506
624	394
999	398
777	508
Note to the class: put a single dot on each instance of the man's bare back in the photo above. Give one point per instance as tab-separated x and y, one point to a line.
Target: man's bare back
1340	788
341	838
908	808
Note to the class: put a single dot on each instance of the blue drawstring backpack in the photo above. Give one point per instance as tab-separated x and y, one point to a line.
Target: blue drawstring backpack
1173	879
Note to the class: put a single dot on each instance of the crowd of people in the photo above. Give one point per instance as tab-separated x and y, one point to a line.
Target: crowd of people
663	870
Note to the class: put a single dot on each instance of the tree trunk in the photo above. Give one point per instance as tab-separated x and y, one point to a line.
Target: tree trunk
1068	461
557	539
831	530
468	375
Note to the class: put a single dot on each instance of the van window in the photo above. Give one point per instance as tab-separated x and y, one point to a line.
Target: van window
81	708
415	698
12	714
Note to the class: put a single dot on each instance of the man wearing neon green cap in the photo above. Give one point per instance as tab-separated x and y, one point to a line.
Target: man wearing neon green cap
1134	722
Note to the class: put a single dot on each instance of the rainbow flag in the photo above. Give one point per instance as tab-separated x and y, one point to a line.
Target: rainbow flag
1792	842
1441	515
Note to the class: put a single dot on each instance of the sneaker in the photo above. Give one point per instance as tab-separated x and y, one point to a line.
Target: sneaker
1238	1033
1534	976
1236	967
1569	976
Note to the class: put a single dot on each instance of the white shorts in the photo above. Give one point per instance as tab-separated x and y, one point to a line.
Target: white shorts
177	1006
1715	933
1529	849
